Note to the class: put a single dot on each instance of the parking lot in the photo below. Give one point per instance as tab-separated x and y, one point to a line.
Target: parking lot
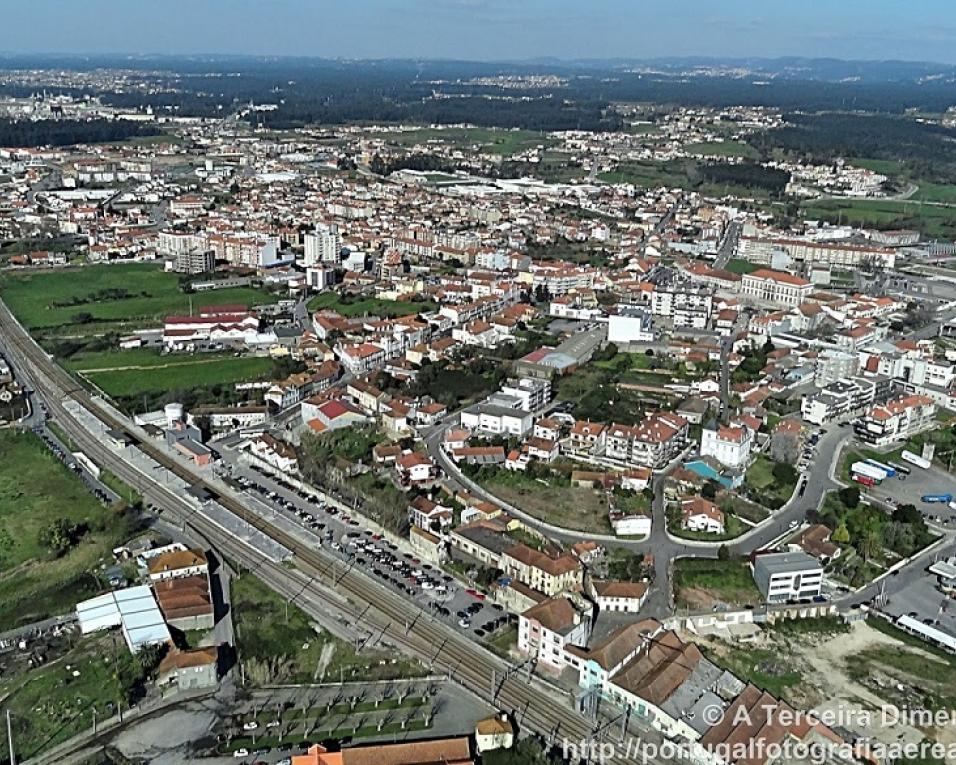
425	586
909	489
914	593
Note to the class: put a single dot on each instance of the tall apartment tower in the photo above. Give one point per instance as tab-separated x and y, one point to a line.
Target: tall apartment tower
323	245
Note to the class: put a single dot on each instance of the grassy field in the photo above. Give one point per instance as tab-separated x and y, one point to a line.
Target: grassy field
932	220
701	582
153	140
650	174
35	490
55	702
572	507
737	266
348	306
762	667
123	296
178	373
279	645
488	140
770	490
723	149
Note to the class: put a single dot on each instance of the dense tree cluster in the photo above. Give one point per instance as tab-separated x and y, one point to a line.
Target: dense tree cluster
67	132
928	150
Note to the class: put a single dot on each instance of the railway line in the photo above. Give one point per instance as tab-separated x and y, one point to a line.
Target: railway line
535	705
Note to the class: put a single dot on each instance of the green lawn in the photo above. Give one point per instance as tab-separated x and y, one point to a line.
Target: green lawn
723	149
700	582
737	266
932	220
35	490
489	140
370	306
935	192
123	296
277	645
889	167
766	487
196	372
650	174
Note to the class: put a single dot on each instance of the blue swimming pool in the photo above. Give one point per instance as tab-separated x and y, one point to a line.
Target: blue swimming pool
706	471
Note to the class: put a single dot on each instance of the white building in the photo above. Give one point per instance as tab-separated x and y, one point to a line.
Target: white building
897	420
729	445
788	576
629	325
775	287
324	245
497	420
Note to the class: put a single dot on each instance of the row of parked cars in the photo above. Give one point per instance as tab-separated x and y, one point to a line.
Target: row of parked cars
381	559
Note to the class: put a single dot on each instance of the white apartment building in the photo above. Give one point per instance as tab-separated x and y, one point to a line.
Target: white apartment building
788	576
685	305
729	445
630	325
897	420
497	420
323	245
531	392
841	399
847	256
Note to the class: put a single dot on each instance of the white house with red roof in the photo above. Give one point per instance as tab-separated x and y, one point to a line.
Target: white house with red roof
699	514
728	444
415	469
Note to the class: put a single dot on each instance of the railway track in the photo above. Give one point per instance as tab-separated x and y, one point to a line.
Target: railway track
532	703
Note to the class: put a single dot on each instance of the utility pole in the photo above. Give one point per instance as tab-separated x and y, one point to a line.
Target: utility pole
13	756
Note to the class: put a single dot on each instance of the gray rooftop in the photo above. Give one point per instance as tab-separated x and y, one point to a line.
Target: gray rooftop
782	563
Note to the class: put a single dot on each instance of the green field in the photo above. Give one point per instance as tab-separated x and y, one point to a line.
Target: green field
649	174
489	140
935	192
347	305
888	167
723	149
123	296
35	490
932	220
189	372
153	140
701	582
55	702
737	266
768	488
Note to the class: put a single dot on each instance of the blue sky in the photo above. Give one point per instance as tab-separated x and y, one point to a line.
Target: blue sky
488	29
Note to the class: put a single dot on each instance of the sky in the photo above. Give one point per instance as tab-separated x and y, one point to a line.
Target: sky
920	30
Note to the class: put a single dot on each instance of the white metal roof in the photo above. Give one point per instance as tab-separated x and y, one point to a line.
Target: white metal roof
914	625
133	609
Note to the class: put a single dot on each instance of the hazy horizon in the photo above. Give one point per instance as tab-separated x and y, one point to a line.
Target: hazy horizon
490	30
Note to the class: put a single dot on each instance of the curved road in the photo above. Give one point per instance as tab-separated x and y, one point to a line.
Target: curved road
660	543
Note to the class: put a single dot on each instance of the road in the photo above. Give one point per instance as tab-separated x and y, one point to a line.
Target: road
664	547
729	244
535	705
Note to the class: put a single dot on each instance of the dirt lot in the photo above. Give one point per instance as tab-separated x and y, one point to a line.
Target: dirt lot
847	678
573	507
